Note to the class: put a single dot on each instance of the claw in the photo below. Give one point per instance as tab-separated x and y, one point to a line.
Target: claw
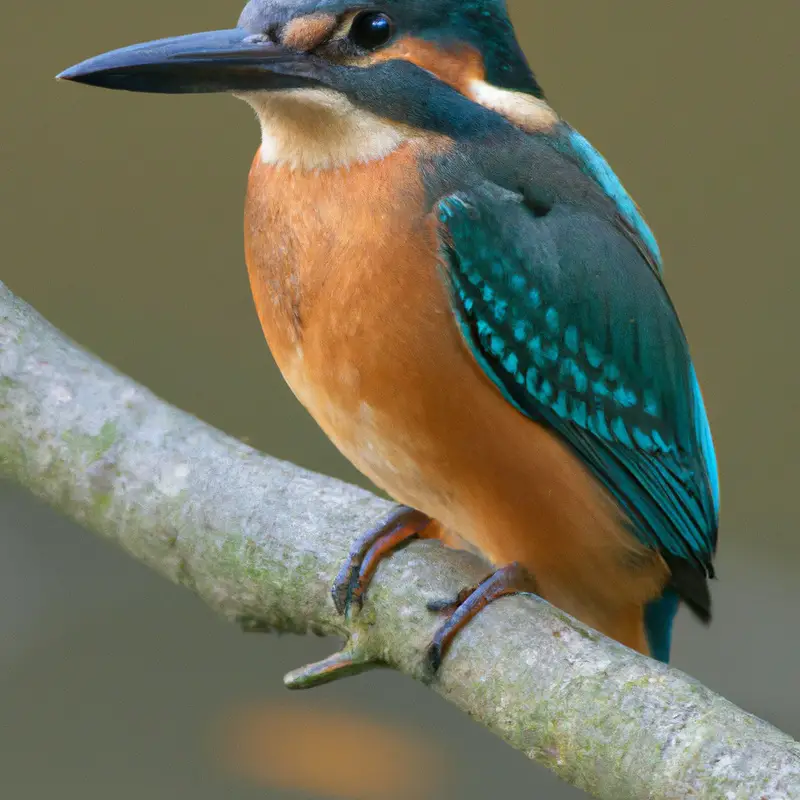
402	525
508	580
437	606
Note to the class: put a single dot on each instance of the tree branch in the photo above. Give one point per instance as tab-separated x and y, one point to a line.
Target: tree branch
262	540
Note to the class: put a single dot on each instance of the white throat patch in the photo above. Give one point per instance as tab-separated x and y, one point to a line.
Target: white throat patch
308	129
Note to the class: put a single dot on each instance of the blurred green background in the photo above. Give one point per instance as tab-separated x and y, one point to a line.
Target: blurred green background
121	222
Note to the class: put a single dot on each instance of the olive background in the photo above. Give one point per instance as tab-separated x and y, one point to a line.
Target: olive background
120	221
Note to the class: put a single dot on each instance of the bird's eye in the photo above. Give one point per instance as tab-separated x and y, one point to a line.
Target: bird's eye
371	30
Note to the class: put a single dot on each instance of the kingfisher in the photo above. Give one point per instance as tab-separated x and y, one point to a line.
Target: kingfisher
458	288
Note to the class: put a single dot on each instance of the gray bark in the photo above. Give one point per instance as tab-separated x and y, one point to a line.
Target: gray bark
262	539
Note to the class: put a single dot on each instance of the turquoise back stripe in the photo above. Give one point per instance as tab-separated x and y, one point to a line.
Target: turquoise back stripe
600	170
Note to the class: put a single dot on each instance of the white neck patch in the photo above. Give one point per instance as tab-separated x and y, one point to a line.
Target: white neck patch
308	129
523	110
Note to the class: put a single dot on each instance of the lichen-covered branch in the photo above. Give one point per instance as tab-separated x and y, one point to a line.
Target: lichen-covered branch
260	539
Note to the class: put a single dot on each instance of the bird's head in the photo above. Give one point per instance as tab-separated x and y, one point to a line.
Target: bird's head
335	81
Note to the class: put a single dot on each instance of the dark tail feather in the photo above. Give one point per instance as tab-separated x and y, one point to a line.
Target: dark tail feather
691	583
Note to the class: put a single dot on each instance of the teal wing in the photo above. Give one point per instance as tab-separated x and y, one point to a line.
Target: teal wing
564	312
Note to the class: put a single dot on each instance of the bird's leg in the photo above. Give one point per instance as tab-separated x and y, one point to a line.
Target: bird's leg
402	525
511	579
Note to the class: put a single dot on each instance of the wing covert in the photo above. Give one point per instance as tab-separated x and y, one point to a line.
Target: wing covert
564	315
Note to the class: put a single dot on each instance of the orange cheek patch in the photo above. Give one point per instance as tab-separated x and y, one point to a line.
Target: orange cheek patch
461	66
306	33
457	66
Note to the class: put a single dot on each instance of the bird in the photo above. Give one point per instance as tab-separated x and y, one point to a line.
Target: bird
458	288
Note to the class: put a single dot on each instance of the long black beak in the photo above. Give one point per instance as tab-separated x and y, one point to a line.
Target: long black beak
217	61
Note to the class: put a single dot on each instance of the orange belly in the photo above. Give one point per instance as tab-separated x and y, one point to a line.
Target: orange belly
344	270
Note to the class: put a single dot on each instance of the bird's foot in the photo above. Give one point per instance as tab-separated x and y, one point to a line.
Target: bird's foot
402	525
508	580
399	527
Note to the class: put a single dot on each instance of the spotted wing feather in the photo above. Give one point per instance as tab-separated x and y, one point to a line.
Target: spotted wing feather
564	314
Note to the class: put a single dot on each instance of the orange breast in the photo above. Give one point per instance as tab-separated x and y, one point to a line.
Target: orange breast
344	270
342	265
